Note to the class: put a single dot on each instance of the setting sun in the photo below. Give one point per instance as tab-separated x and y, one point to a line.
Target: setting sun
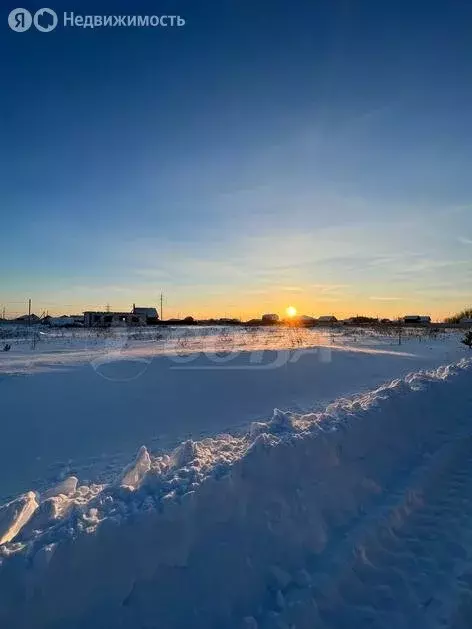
291	311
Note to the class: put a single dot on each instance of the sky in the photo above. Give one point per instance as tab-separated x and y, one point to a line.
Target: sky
314	153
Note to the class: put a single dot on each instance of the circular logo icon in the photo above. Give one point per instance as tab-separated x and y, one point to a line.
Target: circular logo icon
44	24
20	20
113	355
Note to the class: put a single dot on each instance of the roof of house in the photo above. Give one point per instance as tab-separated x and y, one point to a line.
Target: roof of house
26	317
148	312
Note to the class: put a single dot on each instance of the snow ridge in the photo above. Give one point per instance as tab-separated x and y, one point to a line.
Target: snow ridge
218	509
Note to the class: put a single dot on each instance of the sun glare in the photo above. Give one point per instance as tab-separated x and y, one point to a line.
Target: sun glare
291	311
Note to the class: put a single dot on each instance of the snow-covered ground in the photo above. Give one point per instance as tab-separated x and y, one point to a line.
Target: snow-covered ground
81	402
349	507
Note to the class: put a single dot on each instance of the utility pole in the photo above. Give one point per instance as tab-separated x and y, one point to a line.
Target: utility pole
161	306
29	312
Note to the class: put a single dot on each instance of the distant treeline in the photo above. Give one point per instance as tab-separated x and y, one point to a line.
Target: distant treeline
464	314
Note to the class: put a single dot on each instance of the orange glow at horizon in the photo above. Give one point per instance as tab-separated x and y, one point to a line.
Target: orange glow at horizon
246	306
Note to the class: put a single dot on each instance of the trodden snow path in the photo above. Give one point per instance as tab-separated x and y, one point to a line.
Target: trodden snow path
407	563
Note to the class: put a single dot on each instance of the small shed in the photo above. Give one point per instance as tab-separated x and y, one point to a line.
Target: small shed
270	318
421	319
327	319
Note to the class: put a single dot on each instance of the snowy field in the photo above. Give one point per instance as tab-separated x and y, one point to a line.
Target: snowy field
81	402
348	507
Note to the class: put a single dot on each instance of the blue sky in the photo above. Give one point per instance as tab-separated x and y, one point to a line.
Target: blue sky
313	152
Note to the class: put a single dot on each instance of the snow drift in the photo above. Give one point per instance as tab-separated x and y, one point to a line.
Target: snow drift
230	531
77	406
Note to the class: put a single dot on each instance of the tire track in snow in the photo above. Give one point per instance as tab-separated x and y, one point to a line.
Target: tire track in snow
406	565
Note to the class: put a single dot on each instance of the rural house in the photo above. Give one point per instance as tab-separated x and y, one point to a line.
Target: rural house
149	314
